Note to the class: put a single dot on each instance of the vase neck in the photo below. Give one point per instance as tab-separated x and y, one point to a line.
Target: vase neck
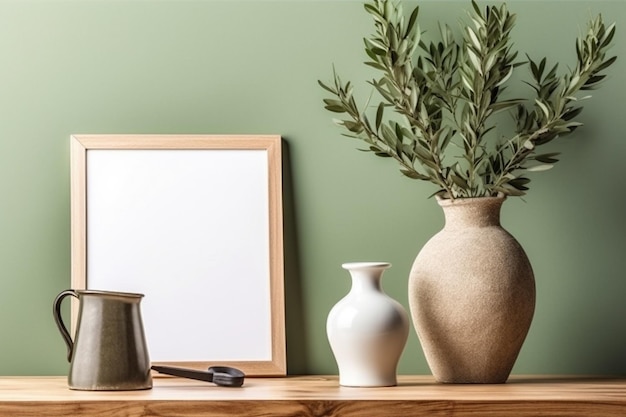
365	282
366	276
472	212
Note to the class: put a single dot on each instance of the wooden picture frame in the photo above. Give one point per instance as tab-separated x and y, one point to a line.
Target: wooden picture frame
194	222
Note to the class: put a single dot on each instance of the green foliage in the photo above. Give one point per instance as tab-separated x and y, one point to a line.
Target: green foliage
443	95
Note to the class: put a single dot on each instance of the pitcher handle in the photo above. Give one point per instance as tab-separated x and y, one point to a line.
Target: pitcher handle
56	312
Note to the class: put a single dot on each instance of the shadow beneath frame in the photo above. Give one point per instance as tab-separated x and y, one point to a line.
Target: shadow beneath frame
294	302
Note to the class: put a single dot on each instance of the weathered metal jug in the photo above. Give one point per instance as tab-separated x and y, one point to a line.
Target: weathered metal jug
109	351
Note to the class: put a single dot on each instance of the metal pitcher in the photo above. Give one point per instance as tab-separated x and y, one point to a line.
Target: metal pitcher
109	350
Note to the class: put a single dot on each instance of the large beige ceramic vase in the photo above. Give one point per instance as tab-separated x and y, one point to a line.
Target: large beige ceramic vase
472	294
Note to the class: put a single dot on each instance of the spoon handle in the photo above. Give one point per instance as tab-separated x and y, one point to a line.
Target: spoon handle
184	373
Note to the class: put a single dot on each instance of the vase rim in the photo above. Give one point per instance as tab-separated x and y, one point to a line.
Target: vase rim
468	200
365	265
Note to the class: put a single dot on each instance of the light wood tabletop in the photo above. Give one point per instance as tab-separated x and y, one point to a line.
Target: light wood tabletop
322	396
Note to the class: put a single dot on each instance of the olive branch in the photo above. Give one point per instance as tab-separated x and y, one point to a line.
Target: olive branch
446	93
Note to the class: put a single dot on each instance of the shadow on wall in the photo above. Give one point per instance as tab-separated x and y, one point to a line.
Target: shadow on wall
581	310
595	323
590	333
294	301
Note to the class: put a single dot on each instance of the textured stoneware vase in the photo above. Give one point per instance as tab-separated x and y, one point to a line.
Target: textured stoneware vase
367	329
472	294
109	351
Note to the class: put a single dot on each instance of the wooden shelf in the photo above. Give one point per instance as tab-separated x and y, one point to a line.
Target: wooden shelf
321	396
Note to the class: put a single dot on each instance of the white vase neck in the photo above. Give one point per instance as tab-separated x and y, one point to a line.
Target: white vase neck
472	212
366	275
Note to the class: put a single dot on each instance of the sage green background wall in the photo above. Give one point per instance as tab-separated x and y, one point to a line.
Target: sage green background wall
252	67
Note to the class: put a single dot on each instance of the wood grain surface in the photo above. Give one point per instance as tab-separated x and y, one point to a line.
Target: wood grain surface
321	396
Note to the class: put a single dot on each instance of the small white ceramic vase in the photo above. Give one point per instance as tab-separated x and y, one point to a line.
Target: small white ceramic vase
367	329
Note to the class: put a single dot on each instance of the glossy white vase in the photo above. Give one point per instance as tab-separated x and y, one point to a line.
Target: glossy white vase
367	329
472	294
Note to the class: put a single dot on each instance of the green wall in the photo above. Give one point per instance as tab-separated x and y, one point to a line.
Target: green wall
252	67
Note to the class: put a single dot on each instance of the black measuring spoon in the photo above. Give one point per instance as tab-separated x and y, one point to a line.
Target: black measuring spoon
224	376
